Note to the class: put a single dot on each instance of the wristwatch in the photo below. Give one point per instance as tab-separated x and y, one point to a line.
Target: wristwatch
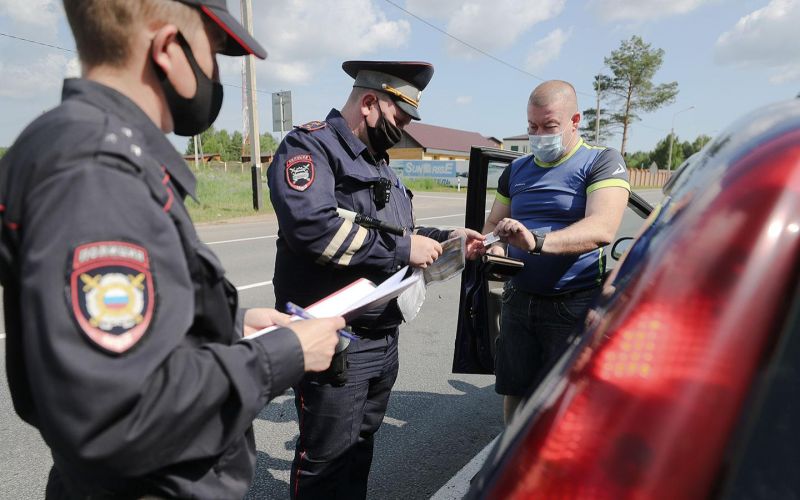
538	239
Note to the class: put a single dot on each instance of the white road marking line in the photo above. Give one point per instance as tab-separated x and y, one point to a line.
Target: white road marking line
440	217
458	486
2	336
242	239
441	197
444	216
254	285
394	422
275	235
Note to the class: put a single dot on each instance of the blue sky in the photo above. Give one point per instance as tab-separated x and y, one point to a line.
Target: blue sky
728	57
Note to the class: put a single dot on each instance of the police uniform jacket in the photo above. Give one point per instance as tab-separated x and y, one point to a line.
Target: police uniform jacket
319	167
123	345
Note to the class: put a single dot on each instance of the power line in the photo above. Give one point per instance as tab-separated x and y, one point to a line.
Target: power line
72	51
473	47
37	43
476	49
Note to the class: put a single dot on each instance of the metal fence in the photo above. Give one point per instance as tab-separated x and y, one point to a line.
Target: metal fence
225	166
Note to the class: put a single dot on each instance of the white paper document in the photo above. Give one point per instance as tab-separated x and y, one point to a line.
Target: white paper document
356	298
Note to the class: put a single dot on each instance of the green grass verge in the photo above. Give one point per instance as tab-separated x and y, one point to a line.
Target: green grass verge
224	195
431	185
227	195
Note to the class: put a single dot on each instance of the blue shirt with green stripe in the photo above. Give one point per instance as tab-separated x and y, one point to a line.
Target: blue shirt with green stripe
546	197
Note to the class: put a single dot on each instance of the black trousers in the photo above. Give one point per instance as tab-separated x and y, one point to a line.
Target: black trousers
337	424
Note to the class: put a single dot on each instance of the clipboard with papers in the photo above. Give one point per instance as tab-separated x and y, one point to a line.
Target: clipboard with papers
356	298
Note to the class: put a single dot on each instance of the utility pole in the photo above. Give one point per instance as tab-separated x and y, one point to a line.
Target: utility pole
196	154
672	136
280	96
252	105
597	120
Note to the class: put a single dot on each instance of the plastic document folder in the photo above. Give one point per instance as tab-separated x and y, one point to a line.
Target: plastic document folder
357	298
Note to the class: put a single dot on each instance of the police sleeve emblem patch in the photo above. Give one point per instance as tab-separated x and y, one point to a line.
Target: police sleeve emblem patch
111	293
300	172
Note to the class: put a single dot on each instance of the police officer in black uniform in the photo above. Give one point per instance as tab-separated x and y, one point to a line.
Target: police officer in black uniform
124	340
320	167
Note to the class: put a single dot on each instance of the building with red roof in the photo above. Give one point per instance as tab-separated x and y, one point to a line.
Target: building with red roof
421	141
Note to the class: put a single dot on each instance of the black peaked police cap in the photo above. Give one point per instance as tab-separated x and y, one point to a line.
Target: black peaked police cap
403	81
239	43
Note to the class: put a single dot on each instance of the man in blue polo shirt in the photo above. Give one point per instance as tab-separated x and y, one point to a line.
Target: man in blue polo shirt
556	208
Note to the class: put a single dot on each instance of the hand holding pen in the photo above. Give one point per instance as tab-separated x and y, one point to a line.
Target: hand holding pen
298	311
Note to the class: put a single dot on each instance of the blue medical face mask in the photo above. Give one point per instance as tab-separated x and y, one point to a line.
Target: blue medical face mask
547	148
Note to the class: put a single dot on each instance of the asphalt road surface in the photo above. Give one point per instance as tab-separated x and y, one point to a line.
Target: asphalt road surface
436	421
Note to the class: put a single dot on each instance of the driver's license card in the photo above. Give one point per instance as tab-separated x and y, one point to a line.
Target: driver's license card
490	238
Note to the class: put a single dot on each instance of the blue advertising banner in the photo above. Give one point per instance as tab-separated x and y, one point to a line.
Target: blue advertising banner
428	168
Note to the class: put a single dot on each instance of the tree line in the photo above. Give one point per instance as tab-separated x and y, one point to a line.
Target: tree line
228	145
660	155
628	91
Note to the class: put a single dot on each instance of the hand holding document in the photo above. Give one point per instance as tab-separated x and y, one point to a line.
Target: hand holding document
450	263
363	295
354	299
301	313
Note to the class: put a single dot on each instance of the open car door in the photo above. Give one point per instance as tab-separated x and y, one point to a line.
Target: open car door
478	316
479	304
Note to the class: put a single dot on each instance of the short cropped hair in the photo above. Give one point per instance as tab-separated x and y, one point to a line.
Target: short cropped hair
553	91
103	29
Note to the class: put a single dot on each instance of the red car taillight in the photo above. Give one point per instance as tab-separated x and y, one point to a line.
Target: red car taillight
648	408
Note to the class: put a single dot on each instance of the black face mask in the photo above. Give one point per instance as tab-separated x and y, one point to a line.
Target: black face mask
383	135
195	114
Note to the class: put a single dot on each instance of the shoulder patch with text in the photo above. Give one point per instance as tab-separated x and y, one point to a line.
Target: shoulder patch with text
300	172
111	293
312	126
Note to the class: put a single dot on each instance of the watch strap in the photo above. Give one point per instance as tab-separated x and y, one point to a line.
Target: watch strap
538	239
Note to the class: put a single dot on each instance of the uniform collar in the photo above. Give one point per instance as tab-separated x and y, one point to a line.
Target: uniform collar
354	145
112	101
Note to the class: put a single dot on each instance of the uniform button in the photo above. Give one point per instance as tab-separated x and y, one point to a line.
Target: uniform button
111	137
399	267
127	132
136	150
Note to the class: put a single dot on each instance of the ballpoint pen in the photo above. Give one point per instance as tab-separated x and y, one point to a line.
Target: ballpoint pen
298	311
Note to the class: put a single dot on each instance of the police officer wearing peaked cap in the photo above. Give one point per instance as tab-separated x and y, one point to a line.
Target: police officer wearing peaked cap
124	339
342	163
403	81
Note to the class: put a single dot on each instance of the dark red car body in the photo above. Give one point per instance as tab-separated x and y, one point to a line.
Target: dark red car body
685	380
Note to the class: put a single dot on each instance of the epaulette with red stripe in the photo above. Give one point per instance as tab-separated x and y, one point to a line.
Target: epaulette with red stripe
312	126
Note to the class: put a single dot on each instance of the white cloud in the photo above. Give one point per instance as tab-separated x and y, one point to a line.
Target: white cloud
312	31
643	10
765	38
292	72
31	79
42	13
463	100
487	24
547	49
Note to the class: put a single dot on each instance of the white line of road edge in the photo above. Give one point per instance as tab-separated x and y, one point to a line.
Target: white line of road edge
242	239
440	217
458	486
2	336
254	285
275	235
